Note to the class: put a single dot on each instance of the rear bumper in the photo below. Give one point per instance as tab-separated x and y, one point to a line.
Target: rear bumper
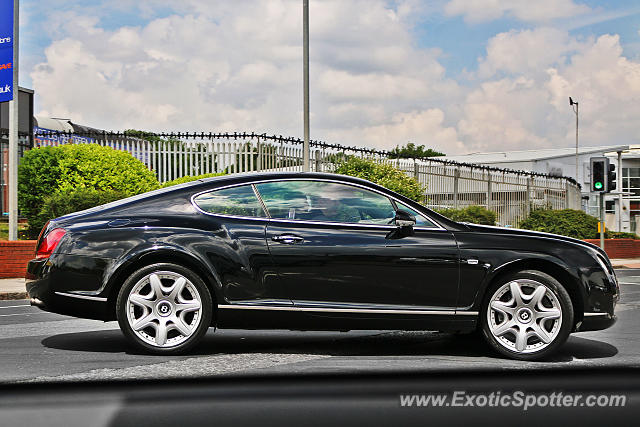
45	292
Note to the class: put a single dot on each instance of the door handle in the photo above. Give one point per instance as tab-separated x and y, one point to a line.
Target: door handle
289	239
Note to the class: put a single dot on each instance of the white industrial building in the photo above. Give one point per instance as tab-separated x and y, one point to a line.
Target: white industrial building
622	206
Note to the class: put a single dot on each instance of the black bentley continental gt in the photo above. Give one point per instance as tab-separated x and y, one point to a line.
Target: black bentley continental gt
313	251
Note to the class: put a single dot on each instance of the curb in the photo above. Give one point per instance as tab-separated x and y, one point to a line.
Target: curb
4	296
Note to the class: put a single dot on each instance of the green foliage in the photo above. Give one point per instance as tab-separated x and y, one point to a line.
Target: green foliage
38	176
189	179
566	222
103	168
472	214
46	171
412	151
620	235
383	174
66	201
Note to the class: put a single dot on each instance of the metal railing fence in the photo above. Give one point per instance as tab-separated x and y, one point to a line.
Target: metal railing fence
511	194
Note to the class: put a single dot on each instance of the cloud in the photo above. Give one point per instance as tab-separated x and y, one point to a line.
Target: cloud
239	67
522	102
475	11
526	51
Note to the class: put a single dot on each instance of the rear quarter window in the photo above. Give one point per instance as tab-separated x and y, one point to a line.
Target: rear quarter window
235	201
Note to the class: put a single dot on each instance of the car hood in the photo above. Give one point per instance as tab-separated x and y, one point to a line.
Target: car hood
519	232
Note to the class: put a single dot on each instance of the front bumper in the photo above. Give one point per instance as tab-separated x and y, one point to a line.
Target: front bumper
596	322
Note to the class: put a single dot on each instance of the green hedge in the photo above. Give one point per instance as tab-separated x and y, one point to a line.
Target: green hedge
45	171
67	201
383	174
472	214
189	178
566	222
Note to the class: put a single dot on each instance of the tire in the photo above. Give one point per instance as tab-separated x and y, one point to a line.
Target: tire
531	327
170	323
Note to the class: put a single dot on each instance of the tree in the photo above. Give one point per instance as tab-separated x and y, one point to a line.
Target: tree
412	151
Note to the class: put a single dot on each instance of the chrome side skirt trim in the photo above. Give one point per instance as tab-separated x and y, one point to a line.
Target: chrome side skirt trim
344	310
79	296
595	314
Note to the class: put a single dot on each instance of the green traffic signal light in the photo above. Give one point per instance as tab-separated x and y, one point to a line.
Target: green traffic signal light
598	185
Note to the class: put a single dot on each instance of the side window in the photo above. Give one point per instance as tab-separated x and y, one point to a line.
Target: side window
238	201
421	221
325	201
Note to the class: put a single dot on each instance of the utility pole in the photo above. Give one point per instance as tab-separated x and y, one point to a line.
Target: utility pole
305	59
575	110
13	134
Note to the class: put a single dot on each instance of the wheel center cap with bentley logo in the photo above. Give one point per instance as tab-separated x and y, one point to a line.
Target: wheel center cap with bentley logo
164	308
524	315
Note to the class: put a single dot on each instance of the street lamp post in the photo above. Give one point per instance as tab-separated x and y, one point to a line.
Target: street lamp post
306	151
575	110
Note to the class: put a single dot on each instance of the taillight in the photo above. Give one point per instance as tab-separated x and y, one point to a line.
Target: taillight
49	243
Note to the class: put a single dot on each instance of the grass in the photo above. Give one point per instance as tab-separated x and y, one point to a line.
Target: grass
4	231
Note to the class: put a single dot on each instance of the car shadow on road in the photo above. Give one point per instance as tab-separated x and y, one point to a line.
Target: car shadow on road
393	343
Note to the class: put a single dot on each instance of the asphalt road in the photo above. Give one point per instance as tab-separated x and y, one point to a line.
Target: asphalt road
39	346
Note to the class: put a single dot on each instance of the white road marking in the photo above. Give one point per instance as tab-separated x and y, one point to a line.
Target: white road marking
54	327
19	314
14	306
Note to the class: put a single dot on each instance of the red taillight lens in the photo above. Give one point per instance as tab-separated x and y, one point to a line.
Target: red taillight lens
49	243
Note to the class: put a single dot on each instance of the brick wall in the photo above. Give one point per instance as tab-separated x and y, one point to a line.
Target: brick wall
619	248
14	256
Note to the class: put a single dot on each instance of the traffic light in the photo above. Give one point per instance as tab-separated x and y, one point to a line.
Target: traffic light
611	177
599	169
603	175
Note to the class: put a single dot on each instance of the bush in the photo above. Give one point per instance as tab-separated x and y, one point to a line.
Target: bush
103	168
566	222
383	174
67	201
38	176
45	171
472	214
620	235
189	178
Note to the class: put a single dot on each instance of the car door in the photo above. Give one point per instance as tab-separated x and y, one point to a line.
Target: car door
236	222
334	244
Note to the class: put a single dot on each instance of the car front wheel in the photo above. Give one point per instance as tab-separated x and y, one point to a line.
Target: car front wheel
164	308
527	316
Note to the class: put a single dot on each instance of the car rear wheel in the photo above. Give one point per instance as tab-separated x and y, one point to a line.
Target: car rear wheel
164	308
527	316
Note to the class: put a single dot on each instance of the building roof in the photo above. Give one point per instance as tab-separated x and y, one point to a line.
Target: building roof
532	155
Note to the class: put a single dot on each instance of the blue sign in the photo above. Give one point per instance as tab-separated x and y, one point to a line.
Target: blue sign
6	50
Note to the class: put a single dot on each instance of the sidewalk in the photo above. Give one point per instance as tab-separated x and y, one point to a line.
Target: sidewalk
12	289
625	262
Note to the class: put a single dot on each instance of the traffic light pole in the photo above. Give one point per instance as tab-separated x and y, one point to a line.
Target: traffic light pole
602	221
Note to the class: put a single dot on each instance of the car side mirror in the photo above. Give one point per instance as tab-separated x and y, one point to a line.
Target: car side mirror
404	219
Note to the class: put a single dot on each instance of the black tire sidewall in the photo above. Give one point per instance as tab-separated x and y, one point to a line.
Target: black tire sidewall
205	298
567	315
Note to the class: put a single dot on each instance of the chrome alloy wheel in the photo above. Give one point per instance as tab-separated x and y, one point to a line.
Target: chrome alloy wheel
524	316
164	309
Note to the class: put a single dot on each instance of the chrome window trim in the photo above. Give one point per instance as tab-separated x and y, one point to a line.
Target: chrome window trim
80	296
343	310
260	181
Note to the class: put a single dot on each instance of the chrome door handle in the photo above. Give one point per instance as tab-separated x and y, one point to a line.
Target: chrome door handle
289	239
